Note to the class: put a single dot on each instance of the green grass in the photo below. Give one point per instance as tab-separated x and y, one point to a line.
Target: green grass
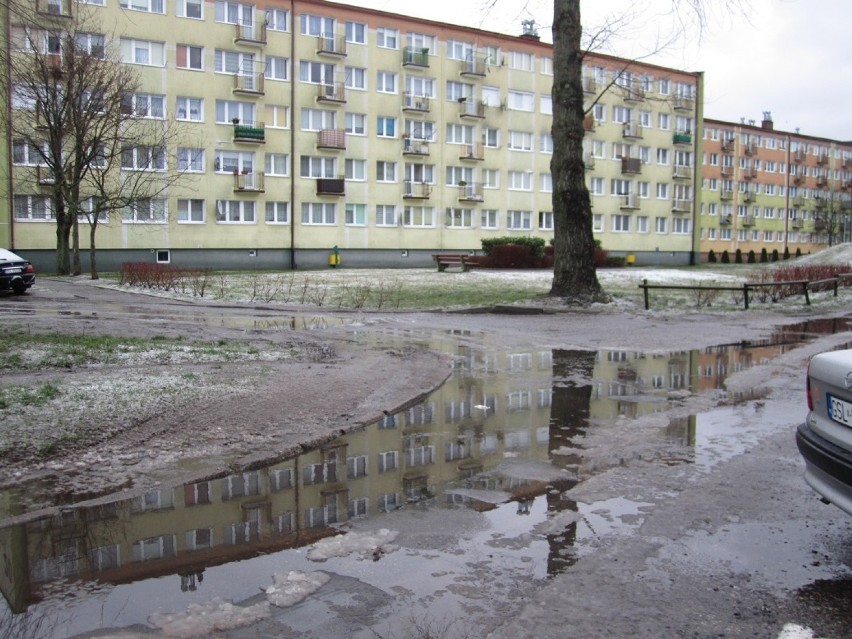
12	397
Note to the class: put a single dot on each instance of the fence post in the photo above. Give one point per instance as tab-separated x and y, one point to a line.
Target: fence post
645	288
807	297
836	284
745	294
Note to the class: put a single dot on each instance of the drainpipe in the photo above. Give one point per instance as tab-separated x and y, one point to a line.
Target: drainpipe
7	27
787	190
698	116
293	70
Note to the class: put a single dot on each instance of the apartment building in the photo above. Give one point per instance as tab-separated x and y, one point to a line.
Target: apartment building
308	126
762	189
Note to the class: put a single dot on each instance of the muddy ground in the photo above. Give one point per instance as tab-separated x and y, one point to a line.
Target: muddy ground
339	371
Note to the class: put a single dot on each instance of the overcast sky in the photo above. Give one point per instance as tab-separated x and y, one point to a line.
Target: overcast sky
790	57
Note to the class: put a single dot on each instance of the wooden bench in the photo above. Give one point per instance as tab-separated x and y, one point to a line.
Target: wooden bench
444	260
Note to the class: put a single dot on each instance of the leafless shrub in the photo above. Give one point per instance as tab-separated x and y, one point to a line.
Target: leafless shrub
704	296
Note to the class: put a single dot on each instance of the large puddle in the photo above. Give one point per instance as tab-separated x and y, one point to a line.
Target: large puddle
472	477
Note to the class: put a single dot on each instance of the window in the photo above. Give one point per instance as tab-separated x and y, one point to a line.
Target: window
234	162
152	158
356	78
489	219
520	181
545	143
356	214
277	20
459	134
664	120
233	62
385	215
620	223
521	61
545	220
519	220
388	460
277	68
521	101
458	50
491	138
190	9
662	191
33	207
319	213
26	154
520	141
356	32
490	179
150	6
387	38
546	65
234	12
599	112
642	224
386	127
317	167
385	82
143	105
190	109
458	91
229	110
91	43
276	164
277	116
663	156
189	57
681	226
355	123
597	222
190	160
458	218
355	170
318	119
596	187
418	216
190	211
316	72
277	213
385	171
235	212
145	210
661	225
143	52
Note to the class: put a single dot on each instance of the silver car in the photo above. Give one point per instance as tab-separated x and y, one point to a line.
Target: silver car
825	439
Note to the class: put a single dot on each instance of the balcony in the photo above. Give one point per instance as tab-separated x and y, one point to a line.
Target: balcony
249	132
473	151
748	220
411	102
331	186
415	57
726	194
470	191
727	171
728	144
798	200
334	93
248	182
823	157
248	84
590	85
682	172
798	179
822	181
797	223
416	190
474	67
333	139
633	92
820	224
629	202
471	108
250	33
589	123
631	165
798	155
749	173
681	206
821	202
45	176
684	104
750	148
415	147
55	8
749	197
589	161
725	220
682	138
631	130
331	44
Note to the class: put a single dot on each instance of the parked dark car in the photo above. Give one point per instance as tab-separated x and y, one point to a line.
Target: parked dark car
825	439
16	274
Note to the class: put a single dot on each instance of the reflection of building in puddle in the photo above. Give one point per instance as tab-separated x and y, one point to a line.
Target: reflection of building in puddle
503	429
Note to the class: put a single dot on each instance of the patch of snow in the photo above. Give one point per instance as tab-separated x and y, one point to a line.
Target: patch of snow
290	588
200	620
353	543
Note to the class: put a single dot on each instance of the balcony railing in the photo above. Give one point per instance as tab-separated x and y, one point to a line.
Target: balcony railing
334	92
470	191
823	158
682	138
727	171
631	130
748	220
684	104
590	85
589	161
331	139
474	66
749	173
633	93
726	194
797	223
728	144
415	147
821	202
415	56
331	186
332	44
471	108
589	123
820	224
252	132
681	206
248	181
798	179
798	200
682	172
45	176
473	151
411	102
725	220
248	83
629	202
56	8
798	155
253	32
631	165
413	190
749	197
822	181
750	148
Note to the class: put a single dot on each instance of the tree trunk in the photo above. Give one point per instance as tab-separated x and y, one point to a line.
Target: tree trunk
76	266
63	239
574	275
92	251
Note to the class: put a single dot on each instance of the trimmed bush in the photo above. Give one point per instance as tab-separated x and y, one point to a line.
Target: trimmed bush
764	255
711	257
738	256
752	258
726	259
534	245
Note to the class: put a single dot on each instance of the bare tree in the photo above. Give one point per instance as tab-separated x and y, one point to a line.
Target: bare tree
74	116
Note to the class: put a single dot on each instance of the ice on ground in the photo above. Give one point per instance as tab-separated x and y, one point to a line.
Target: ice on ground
200	620
290	588
795	631
353	543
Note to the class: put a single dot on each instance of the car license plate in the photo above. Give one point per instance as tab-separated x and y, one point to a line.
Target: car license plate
13	271
840	411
